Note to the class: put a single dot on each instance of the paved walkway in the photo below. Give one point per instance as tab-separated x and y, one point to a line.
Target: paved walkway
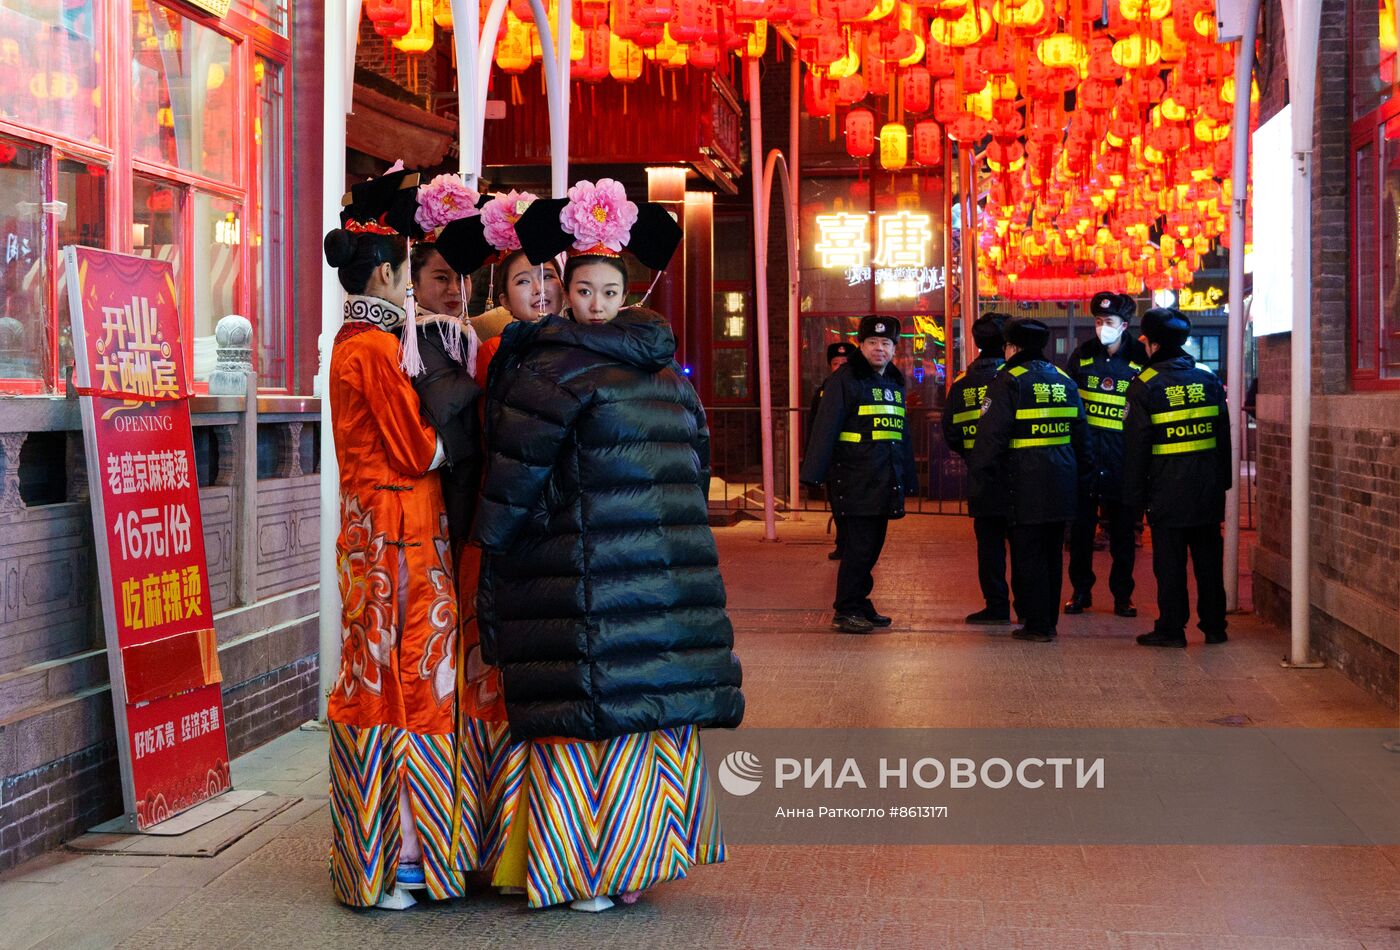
270	889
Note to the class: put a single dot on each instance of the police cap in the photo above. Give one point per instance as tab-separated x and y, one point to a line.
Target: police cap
1027	334
987	330
1106	303
1166	326
839	349
876	325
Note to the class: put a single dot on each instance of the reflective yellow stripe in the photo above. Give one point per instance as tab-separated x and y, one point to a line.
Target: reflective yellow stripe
1179	448
885	435
1037	443
1113	399
1055	412
1147	374
1087	361
1018	371
1176	415
1060	371
1132	365
967	443
880	409
1103	423
850	436
968	416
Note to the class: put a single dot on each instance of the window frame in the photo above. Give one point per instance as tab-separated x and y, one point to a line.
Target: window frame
1365	130
743	218
250	41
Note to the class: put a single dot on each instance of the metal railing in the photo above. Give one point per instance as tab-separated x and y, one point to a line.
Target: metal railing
737	462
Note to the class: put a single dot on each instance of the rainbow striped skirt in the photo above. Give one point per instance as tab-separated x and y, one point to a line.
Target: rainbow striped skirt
570	820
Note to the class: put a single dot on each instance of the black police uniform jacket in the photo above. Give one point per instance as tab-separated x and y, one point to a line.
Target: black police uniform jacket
860	445
1103	379
600	597
1177	443
1033	436
960	416
447	398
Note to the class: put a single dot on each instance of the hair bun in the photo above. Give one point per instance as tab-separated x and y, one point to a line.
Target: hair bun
340	247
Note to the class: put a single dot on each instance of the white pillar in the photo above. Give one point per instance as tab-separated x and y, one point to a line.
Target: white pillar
1302	23
466	29
1234	359
338	73
760	272
790	195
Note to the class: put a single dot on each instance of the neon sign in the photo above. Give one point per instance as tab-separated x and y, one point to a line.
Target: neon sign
901	259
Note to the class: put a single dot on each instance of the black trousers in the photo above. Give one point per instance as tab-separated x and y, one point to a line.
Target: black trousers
1037	562
1170	547
991	536
861	542
1122	547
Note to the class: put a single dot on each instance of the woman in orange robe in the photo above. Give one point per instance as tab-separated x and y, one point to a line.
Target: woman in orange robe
395	803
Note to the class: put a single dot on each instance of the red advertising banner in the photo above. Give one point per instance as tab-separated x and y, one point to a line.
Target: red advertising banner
133	380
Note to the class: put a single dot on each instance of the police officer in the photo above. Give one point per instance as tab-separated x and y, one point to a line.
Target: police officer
836	356
1032	429
1102	368
860	449
1177	467
989	511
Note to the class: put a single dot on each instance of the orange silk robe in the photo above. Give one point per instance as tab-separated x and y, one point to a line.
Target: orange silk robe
399	614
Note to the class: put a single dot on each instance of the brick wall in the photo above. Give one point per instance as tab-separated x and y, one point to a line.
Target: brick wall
43	807
1355	465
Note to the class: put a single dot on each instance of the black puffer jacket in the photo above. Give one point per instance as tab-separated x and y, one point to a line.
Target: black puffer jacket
601	598
447	395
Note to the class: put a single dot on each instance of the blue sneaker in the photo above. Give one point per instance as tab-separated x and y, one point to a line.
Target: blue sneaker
410	876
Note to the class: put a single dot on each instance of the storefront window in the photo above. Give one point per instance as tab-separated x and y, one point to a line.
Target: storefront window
269	242
216	254
81	217
1367	260
23	268
184	93
732	310
50	67
1373	55
1388	313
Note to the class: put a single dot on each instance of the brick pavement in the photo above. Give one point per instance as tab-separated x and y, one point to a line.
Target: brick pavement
270	889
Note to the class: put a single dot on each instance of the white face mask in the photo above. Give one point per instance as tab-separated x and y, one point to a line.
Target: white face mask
1109	335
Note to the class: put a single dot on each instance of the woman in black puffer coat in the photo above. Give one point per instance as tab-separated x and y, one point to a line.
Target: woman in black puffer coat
601	599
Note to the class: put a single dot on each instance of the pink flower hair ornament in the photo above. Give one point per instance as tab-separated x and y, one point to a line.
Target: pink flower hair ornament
599	217
498	217
443	200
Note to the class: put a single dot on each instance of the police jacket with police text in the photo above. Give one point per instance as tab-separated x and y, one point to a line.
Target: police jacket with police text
860	445
1032	432
960	416
1103	380
600	596
1176	463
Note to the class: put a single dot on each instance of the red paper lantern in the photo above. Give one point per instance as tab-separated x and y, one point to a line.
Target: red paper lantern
860	133
917	86
928	143
850	90
818	95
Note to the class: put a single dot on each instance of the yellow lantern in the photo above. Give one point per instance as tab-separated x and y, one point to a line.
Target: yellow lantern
894	146
624	59
757	43
513	49
1137	52
442	14
1173	46
965	30
847	65
1149	9
1208	130
419	38
1059	50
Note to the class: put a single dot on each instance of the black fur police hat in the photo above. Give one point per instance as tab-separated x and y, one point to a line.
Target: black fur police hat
839	349
1119	305
1166	326
987	330
1027	335
876	325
